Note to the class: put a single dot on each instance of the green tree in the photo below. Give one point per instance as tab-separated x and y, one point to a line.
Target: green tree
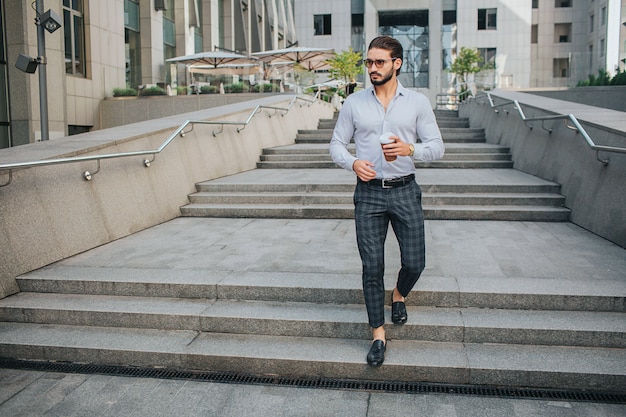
466	63
345	66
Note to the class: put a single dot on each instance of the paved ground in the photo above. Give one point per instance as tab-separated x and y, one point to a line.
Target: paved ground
30	393
466	252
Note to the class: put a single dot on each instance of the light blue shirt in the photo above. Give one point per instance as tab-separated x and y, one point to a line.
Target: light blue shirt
409	116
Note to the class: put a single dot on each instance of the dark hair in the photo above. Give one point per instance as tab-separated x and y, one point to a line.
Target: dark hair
390	44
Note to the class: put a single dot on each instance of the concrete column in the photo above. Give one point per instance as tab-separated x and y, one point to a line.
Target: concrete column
151	26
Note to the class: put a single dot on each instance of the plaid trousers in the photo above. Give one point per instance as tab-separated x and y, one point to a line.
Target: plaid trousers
374	208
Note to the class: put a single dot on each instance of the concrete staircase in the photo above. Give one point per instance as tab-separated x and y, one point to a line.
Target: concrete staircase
469	194
244	313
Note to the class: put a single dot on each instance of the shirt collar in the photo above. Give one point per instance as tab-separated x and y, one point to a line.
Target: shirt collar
400	91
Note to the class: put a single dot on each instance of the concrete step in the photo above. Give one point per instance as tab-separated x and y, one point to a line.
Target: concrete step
447	164
458	122
445	113
457	138
405	360
322	149
328	283
346	211
446	133
428	199
443	120
455	156
458	325
344	182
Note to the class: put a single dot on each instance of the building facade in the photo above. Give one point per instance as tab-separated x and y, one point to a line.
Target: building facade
524	44
108	44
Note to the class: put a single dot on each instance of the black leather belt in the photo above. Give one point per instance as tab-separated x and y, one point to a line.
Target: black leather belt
390	182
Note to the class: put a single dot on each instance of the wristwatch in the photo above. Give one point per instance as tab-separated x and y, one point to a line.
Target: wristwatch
411	149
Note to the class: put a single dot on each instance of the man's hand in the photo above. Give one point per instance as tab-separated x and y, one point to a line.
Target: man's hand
363	170
397	148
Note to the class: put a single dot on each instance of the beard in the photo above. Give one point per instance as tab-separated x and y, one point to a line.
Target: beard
385	78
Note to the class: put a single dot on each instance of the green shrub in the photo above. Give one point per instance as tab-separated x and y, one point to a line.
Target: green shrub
619	78
208	89
153	91
124	92
603	78
233	88
264	88
181	91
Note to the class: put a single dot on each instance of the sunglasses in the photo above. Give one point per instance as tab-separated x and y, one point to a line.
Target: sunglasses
379	62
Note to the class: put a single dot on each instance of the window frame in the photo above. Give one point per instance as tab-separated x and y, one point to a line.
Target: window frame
74	11
487	17
322	24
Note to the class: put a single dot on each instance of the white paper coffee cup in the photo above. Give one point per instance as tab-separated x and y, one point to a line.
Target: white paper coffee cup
385	139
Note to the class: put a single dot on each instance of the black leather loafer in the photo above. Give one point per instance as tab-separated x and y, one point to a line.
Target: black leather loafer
398	312
376	355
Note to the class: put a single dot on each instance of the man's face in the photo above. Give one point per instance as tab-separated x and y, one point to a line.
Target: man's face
379	76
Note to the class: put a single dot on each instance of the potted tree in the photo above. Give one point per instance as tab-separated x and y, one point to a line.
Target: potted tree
465	63
346	66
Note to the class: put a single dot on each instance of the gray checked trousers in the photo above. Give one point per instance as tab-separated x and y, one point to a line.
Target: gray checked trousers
374	208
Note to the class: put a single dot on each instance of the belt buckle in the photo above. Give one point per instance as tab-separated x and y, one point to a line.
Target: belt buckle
382	182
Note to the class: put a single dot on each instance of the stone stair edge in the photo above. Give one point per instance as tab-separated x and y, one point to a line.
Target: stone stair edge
463	325
431	291
445	362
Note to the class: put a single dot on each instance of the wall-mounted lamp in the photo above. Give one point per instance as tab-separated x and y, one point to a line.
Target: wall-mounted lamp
159	5
50	21
26	63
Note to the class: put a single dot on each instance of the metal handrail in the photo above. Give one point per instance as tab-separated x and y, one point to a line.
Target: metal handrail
180	131
458	97
577	126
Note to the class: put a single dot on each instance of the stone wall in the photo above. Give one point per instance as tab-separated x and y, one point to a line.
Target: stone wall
609	97
50	213
119	111
593	191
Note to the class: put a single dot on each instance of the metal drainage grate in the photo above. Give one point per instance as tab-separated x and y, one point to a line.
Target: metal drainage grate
323	383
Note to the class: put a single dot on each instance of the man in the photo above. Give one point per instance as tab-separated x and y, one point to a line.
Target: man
386	189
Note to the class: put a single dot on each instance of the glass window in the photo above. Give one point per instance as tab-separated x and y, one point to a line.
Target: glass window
603	16
487	19
560	68
535	4
410	28
448	37
562	33
322	24
169	31
591	20
74	37
132	43
488	56
562	3
534	33
602	47
197	33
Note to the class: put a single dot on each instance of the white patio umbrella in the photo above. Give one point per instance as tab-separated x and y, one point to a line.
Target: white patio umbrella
212	58
310	58
225	69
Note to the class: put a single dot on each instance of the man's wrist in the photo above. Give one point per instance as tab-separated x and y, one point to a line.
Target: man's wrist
411	149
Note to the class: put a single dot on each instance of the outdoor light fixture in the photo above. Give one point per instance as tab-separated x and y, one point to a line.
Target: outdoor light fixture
27	63
50	21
